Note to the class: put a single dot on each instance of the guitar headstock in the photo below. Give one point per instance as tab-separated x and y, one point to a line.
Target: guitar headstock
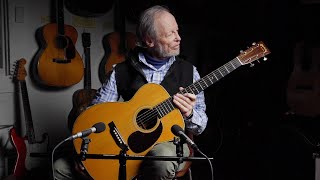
255	52
20	72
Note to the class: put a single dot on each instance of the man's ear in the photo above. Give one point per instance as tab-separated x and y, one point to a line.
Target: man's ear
149	42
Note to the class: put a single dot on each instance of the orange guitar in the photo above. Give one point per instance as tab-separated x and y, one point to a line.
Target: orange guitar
144	120
116	44
58	63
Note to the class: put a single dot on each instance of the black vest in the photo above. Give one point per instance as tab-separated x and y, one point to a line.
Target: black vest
130	77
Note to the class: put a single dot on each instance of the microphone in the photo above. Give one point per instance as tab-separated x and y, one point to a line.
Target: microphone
96	128
178	131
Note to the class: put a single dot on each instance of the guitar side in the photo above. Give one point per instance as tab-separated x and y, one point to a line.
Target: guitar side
52	66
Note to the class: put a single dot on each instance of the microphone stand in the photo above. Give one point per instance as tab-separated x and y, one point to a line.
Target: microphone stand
179	148
123	156
123	163
84	148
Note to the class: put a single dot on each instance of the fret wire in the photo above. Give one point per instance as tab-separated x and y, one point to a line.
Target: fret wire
205	83
200	85
226	67
170	102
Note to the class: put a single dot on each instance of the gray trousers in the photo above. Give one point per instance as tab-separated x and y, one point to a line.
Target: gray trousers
64	168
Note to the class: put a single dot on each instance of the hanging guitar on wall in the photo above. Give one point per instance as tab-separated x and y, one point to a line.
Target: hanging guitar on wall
57	63
82	97
28	144
116	44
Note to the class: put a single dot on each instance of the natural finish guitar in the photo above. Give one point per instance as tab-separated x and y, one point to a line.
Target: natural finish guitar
144	120
58	63
28	144
116	44
82	97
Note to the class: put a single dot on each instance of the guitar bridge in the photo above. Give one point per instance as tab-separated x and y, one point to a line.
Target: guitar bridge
117	137
61	61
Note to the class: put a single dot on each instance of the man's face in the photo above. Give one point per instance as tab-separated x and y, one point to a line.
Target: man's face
168	39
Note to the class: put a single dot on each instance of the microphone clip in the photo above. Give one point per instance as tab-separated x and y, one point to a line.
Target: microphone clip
84	148
179	148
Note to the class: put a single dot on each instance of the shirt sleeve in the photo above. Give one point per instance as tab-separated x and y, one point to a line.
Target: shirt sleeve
108	91
198	122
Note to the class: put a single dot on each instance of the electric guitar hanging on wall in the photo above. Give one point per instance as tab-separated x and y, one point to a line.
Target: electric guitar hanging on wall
57	63
144	120
28	144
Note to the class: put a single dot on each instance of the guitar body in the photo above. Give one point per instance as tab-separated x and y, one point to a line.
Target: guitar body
21	149
80	100
59	67
123	115
113	53
303	90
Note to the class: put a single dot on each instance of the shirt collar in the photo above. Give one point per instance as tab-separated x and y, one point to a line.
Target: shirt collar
144	61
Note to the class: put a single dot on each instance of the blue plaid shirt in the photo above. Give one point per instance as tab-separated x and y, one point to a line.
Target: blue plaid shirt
108	93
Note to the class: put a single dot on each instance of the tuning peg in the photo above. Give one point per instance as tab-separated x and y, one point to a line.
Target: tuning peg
265	58
251	64
241	51
254	43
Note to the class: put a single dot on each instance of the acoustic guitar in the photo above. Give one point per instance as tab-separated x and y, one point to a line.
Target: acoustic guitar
303	90
82	97
25	146
116	44
144	120
58	63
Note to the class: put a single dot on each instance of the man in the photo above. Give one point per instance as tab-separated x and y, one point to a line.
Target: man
156	60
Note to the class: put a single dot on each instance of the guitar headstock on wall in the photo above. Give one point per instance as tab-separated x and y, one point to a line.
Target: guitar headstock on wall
20	72
253	53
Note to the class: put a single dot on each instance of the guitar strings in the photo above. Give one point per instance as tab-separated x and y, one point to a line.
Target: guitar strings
146	117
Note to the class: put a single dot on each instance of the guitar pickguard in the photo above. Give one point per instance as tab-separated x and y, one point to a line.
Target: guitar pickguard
137	145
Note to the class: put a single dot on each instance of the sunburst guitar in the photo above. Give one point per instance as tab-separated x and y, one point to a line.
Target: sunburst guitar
143	121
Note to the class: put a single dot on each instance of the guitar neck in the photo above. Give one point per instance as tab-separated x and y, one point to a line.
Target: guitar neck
27	113
120	25
87	77
60	16
86	42
167	106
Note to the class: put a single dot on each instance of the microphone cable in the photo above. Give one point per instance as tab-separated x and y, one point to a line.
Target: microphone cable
52	156
211	167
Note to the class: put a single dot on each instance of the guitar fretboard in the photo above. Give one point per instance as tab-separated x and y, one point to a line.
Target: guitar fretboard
27	113
167	105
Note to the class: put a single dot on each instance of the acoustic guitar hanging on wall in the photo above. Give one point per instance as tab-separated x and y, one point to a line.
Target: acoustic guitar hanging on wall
116	44
57	63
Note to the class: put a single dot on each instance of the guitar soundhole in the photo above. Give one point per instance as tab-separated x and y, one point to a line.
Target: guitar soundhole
146	119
